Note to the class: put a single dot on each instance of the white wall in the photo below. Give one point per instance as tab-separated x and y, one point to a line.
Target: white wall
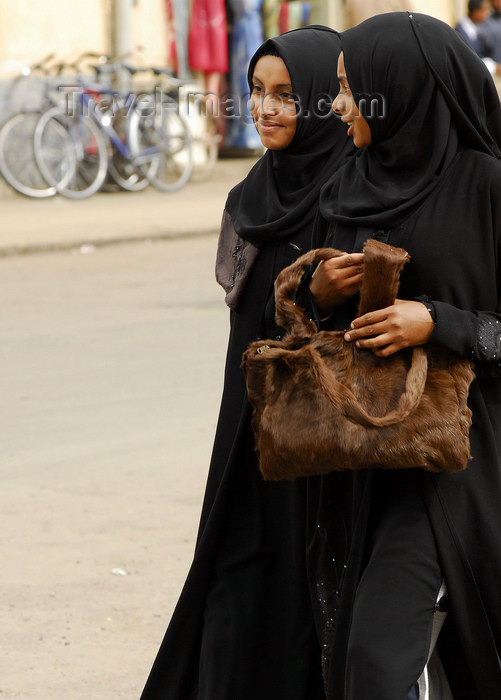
29	29
331	12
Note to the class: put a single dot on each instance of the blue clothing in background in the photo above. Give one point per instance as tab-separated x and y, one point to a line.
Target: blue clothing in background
180	11
473	35
246	38
491	30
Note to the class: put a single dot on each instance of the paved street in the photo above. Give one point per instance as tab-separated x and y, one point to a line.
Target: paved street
112	362
31	225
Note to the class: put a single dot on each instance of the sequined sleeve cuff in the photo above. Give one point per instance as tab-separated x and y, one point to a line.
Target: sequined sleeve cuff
472	334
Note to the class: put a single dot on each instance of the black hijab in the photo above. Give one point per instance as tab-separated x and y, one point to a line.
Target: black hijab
278	197
435	97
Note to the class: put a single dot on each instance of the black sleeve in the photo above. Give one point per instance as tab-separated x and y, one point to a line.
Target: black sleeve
476	334
472	334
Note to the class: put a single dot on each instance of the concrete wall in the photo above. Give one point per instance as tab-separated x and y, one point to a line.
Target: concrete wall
29	29
332	12
149	31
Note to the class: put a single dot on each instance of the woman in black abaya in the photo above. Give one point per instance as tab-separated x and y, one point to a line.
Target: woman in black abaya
427	178
243	627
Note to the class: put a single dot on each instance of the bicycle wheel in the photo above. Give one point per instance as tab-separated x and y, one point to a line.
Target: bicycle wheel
121	169
17	156
84	143
162	147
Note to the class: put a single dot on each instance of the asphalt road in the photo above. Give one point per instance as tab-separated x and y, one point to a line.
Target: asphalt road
112	364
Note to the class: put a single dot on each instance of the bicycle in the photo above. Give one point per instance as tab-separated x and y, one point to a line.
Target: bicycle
190	104
17	158
202	124
155	140
18	163
121	169
159	113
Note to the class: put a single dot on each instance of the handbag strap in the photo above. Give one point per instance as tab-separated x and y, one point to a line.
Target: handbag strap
383	264
288	315
345	401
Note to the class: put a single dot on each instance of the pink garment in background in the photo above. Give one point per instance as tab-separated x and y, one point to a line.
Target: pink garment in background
208	37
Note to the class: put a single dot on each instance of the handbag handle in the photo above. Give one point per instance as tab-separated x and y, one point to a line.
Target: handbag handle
287	314
345	401
383	264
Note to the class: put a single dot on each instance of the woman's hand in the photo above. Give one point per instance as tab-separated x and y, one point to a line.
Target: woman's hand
335	280
405	324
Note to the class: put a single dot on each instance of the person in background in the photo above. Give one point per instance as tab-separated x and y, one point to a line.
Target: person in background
243	628
208	47
245	38
492	30
472	29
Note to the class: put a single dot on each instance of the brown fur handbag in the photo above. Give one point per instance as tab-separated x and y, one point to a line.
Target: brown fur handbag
321	404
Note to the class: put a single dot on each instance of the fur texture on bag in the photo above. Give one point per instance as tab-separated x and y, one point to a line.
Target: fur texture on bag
321	404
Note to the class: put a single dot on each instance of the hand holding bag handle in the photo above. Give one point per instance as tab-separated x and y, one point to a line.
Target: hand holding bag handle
380	262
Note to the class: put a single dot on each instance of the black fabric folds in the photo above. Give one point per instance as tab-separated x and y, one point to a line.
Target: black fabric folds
278	197
417	83
429	183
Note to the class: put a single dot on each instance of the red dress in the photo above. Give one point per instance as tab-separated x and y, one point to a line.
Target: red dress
208	37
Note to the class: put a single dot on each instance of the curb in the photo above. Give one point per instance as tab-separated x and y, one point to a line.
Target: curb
40	248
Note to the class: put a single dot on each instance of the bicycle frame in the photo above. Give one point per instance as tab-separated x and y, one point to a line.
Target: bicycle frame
88	98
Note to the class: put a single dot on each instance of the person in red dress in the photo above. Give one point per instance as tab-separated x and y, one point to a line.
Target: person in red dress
208	45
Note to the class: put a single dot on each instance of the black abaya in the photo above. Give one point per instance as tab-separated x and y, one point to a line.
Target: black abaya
243	628
448	217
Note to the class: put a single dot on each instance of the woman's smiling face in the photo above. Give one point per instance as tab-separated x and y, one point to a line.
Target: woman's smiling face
272	103
345	105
